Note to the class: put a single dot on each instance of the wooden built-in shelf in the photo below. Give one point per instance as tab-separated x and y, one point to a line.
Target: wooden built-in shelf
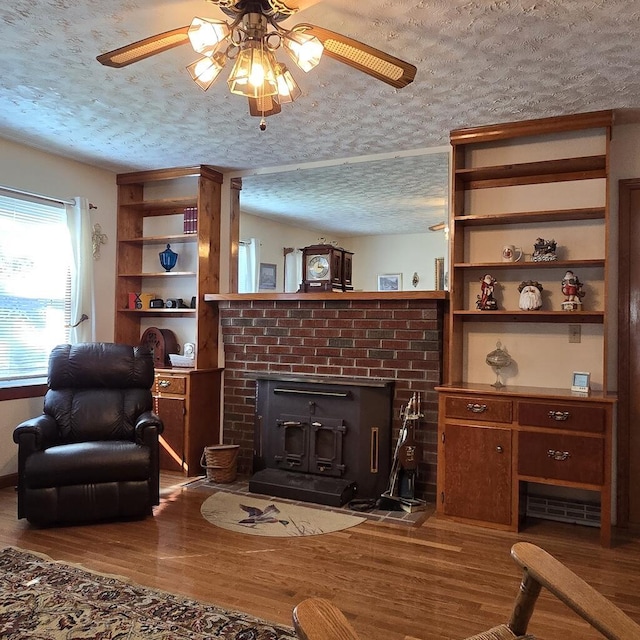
587	317
478	388
589	213
160	311
585	168
160	207
559	264
158	274
178	237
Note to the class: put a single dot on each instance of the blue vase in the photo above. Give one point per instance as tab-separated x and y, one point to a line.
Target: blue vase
168	258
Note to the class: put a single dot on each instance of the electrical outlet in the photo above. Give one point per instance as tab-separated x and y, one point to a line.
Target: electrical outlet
575	333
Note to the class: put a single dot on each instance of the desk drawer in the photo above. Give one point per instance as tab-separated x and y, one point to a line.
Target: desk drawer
561	457
571	417
478	408
171	384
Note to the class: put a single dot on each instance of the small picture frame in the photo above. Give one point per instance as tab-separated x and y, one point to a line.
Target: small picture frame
267	277
580	381
390	282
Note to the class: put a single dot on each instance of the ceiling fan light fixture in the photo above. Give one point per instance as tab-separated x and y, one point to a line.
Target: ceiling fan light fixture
288	89
264	107
206	70
305	50
205	35
253	74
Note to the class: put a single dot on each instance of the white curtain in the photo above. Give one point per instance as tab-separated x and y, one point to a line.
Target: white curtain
248	260
82	286
292	271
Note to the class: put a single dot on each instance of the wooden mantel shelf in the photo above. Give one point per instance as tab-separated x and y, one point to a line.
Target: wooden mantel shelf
330	295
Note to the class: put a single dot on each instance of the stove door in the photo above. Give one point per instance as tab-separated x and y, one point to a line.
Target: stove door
292	443
325	452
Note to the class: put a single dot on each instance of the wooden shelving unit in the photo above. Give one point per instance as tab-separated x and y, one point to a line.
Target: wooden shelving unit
188	400
492	202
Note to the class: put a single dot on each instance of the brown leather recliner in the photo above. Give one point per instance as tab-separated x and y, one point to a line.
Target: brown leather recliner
93	454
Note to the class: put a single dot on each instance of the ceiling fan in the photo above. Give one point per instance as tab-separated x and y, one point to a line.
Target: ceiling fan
250	40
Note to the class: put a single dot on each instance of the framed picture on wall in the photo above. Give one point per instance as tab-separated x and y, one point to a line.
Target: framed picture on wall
267	278
390	282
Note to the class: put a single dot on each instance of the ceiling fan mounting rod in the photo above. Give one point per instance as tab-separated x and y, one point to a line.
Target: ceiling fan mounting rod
273	9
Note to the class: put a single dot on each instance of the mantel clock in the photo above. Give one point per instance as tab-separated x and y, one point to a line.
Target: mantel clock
162	342
322	268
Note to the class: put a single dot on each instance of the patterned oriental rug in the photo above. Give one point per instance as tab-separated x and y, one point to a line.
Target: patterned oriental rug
246	514
41	599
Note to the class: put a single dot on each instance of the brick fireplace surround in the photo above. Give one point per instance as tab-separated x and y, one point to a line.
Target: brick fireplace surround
395	338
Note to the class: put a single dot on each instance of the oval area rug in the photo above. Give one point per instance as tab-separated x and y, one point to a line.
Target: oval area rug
258	517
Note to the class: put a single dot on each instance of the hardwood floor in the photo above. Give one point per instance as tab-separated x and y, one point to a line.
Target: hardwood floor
438	581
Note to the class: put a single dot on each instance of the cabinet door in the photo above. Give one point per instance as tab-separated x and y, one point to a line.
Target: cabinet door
172	412
478	473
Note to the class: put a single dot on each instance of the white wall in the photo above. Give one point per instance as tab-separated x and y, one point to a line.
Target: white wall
274	237
405	254
33	170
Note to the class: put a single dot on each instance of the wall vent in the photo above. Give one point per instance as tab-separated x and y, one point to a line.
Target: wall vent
575	512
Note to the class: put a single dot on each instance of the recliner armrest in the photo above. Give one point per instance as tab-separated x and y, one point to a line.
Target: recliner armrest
36	433
148	421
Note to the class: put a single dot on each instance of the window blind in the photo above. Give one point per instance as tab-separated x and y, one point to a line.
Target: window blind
35	272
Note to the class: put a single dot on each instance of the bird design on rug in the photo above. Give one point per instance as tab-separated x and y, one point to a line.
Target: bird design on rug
262	516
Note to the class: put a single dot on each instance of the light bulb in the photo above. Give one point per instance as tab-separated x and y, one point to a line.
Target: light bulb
304	49
205	35
205	70
253	74
288	89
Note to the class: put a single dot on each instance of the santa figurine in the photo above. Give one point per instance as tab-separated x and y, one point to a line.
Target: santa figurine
572	289
530	295
485	300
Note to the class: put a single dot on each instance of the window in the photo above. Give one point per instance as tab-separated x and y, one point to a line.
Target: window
248	266
35	285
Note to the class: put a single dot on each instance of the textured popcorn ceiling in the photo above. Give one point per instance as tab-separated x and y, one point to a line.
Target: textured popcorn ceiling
478	63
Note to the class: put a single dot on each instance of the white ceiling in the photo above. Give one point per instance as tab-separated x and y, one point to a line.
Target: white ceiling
478	63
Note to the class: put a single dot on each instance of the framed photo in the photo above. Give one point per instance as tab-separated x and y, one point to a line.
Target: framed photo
580	381
390	282
267	277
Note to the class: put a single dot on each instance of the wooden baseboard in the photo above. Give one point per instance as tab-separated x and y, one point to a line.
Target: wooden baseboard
8	481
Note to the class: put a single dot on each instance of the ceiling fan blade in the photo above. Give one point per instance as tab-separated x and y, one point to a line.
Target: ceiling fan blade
358	55
146	48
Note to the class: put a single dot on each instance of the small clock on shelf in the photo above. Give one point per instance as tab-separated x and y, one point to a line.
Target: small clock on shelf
162	342
323	268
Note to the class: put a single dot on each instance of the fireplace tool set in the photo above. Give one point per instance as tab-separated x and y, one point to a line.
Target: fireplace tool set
400	493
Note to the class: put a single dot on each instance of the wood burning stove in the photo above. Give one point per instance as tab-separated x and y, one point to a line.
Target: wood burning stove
322	440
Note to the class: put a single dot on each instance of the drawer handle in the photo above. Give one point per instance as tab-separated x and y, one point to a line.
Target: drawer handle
559	416
556	454
164	383
476	408
499	449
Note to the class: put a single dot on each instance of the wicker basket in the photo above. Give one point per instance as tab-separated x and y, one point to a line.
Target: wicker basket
220	462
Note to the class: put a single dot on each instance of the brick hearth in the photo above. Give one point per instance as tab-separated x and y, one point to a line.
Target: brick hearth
398	339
